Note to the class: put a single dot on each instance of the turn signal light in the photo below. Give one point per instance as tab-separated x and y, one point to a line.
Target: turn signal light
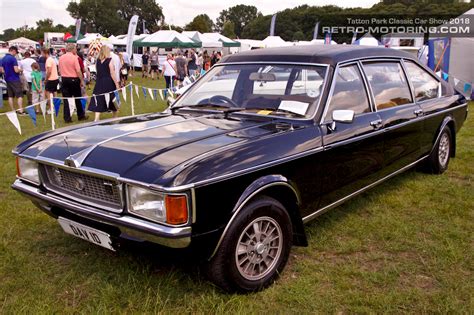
176	209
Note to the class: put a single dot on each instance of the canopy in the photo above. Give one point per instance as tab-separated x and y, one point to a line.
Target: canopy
167	39
203	39
22	42
226	41
121	40
89	38
367	40
275	41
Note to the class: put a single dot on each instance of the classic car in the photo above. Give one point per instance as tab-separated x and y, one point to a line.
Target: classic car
232	176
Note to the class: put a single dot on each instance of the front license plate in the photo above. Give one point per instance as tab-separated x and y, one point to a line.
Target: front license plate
86	233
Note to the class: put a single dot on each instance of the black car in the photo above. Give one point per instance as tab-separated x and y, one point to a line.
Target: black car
266	141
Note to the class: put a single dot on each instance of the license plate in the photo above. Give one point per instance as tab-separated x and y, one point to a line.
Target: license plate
86	233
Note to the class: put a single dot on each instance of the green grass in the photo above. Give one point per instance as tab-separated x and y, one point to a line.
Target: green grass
404	247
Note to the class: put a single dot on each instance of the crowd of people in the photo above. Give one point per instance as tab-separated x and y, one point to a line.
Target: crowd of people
41	73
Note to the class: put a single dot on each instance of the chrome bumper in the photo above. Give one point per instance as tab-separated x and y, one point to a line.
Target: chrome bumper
175	237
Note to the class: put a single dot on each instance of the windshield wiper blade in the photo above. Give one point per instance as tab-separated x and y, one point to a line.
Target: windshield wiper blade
277	110
225	109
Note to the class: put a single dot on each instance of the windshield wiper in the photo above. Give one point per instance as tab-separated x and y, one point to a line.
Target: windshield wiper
277	110
223	108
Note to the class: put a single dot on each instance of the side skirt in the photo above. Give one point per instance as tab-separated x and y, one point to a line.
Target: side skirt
344	199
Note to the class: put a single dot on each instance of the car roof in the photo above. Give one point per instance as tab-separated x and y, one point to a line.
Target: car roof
324	54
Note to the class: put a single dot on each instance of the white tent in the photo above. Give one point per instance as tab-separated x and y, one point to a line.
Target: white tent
313	42
206	41
22	42
275	41
121	40
226	41
367	40
166	39
88	38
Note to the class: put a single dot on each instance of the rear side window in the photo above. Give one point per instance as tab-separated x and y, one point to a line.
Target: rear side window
388	84
349	92
426	87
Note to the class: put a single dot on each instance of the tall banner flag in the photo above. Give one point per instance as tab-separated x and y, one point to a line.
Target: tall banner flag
132	27
316	30
272	25
13	118
78	29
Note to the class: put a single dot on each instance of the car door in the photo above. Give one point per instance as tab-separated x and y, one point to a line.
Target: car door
353	152
401	117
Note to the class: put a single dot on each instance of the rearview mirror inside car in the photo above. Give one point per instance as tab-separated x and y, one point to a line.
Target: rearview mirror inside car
259	76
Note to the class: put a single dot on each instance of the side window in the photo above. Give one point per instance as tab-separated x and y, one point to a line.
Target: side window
388	84
426	87
349	92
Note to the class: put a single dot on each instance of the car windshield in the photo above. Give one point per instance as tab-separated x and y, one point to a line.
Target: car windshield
265	89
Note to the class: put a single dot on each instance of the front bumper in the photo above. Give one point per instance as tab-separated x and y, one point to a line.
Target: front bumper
129	227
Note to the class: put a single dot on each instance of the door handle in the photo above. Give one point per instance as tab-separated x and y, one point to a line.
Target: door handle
376	123
418	112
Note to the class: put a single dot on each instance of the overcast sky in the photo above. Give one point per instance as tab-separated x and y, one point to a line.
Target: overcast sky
15	13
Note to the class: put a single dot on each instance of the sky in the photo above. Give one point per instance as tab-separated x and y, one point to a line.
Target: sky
15	13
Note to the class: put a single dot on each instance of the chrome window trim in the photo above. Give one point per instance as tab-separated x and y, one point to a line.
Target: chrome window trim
410	84
316	109
238	208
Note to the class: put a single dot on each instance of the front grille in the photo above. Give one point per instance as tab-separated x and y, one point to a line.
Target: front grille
86	187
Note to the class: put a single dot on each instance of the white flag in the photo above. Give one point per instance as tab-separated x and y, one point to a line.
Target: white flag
72	105
53	124
438	74
43	108
124	93
107	99
151	94
456	81
161	94
186	81
14	120
136	91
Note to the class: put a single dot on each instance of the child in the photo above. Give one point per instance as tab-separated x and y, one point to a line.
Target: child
36	85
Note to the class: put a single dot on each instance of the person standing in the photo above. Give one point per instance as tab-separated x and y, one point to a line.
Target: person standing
181	67
105	83
192	62
154	65
36	85
72	81
25	65
169	71
51	80
145	59
12	72
117	63
123	71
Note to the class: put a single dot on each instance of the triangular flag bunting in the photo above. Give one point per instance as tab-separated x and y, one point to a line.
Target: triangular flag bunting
84	103
467	87
186	81
144	91
136	91
51	109
151	94
14	120
445	76
117	97
31	111
72	105
161	94
43	108
438	74
124	94
155	94
107	99
57	105
456	81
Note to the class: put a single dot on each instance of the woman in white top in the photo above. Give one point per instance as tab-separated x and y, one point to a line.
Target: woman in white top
169	71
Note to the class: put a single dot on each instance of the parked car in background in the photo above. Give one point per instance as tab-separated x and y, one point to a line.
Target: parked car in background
266	141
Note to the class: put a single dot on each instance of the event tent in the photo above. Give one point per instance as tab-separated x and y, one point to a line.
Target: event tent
121	40
88	38
226	41
367	40
275	41
203	39
167	39
22	42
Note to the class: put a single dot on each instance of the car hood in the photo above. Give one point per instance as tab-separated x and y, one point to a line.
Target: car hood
146	147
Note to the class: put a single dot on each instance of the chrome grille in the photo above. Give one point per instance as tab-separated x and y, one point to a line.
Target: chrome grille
93	189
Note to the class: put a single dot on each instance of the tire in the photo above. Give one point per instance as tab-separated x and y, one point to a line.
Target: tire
438	160
249	267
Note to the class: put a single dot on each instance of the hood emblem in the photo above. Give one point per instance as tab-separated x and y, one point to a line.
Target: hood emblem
70	161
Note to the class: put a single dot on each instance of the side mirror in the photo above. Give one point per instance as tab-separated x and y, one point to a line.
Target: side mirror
343	116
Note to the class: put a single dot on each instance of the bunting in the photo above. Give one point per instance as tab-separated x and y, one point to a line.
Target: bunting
117	97
124	94
31	111
57	105
467	87
161	94
136	91
144	91
43	108
151	94
72	105
51	109
155	94
83	103
445	76
107	99
14	120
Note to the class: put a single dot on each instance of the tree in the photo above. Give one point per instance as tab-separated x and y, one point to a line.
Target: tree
240	15
201	23
112	16
228	30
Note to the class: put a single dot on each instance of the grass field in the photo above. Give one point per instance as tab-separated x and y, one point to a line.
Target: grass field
404	247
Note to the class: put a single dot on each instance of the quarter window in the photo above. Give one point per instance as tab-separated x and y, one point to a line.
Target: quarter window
388	84
426	87
349	92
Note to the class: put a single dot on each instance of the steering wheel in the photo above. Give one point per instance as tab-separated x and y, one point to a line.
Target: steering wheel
223	101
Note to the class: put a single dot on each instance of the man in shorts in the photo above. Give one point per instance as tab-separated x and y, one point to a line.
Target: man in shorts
12	72
154	65
145	69
51	80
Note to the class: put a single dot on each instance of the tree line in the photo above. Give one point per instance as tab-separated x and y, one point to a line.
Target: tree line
240	21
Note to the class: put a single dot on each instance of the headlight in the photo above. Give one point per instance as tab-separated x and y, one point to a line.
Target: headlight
28	170
155	206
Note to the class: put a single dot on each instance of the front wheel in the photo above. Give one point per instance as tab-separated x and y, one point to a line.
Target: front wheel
255	249
438	160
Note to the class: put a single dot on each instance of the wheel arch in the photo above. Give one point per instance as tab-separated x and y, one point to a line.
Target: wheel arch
449	122
282	190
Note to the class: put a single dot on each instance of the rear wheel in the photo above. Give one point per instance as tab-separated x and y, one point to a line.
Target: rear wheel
438	160
255	249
